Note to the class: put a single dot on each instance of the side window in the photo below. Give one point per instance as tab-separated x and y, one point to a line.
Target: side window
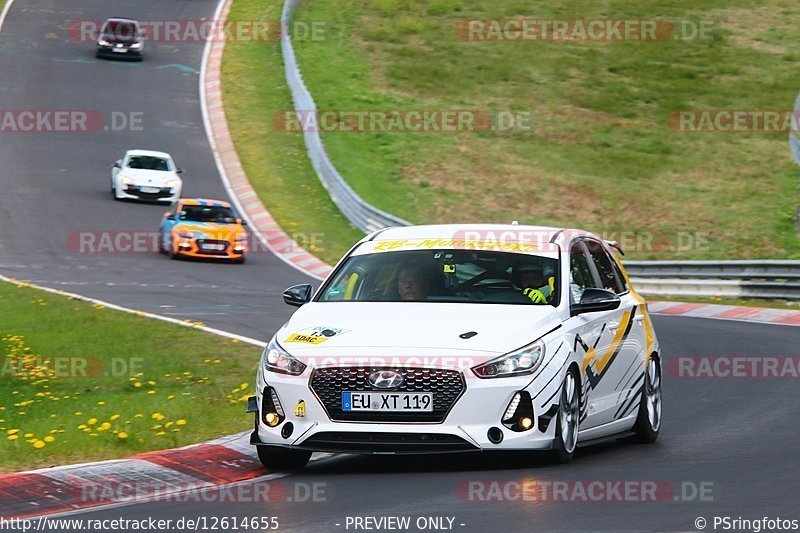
609	278
580	273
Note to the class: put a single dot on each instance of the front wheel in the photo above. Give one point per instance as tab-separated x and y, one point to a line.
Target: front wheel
282	459
567	420
648	420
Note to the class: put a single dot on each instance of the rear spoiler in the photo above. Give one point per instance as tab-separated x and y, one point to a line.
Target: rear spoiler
615	245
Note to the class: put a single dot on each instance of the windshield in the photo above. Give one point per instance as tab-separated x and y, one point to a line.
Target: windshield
207	213
445	275
120	29
146	162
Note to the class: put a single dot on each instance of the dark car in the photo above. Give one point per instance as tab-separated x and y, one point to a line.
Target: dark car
120	37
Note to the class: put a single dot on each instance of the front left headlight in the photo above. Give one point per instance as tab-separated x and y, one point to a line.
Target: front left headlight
126	180
517	363
173	183
276	359
136	46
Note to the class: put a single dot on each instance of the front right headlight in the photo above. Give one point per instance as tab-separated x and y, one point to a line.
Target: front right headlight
276	359
126	180
519	362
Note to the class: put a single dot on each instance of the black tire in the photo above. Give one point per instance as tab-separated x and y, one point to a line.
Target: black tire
282	459
563	452
172	254
647	425
239	261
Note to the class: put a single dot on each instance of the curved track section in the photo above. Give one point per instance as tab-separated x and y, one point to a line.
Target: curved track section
733	437
55	185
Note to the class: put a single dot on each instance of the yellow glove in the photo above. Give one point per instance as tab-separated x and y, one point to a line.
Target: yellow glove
535	296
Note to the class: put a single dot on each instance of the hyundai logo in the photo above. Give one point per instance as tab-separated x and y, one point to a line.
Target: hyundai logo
386	379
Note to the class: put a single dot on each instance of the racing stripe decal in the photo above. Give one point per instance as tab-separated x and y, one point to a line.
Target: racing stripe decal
601	367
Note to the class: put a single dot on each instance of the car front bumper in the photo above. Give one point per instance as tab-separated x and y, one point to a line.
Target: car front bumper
466	426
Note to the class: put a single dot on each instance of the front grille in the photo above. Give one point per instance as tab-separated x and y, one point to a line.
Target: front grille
163	192
202	242
329	383
400	443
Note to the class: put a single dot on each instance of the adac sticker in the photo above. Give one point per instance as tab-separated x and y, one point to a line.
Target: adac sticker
315	335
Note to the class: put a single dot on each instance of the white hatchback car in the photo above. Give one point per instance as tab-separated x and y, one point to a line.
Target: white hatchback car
459	338
146	175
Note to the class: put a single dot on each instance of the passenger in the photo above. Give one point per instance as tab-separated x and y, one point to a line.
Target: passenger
530	278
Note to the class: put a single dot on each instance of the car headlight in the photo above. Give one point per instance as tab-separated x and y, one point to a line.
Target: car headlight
136	46
173	183
103	42
191	235
275	359
519	362
126	180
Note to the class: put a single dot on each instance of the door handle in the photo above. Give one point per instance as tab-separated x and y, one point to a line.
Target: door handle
613	326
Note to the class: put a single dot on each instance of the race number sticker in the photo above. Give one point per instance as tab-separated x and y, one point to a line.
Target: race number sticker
315	335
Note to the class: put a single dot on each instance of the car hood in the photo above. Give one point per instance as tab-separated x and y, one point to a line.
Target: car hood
155	178
211	230
366	329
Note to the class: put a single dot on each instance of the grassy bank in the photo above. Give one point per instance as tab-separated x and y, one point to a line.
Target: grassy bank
80	382
254	91
600	155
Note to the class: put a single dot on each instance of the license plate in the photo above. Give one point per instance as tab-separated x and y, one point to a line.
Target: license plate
120	50
149	189
215	247
387	401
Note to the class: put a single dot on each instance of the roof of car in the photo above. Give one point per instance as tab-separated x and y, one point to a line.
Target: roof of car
470	231
121	19
204	202
150	153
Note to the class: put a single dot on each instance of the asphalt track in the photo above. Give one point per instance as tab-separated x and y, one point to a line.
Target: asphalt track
735	437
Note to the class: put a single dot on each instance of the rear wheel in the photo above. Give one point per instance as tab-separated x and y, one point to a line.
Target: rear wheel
567	419
277	458
648	420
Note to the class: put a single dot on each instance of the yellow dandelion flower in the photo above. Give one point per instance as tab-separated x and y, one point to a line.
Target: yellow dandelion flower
28	435
161	433
101	403
171	397
12	431
151	392
38	444
78	413
137	384
92	421
114	417
49	438
13	437
122	435
151	382
180	422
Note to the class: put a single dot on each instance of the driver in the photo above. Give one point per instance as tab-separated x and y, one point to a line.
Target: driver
530	277
413	284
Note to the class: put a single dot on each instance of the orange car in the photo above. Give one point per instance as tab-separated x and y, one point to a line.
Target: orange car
203	228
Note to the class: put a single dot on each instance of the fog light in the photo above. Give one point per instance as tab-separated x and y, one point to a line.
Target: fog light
184	245
519	415
271	409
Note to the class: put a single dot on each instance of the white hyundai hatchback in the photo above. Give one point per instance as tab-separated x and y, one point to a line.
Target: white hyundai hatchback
146	175
459	338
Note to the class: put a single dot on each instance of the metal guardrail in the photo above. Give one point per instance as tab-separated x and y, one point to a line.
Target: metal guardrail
361	214
737	279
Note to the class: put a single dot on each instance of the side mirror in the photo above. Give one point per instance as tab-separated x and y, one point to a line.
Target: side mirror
178	171
241	221
117	164
298	295
594	300
170	217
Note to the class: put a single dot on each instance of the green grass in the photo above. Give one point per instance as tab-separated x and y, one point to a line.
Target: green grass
69	364
601	155
254	90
